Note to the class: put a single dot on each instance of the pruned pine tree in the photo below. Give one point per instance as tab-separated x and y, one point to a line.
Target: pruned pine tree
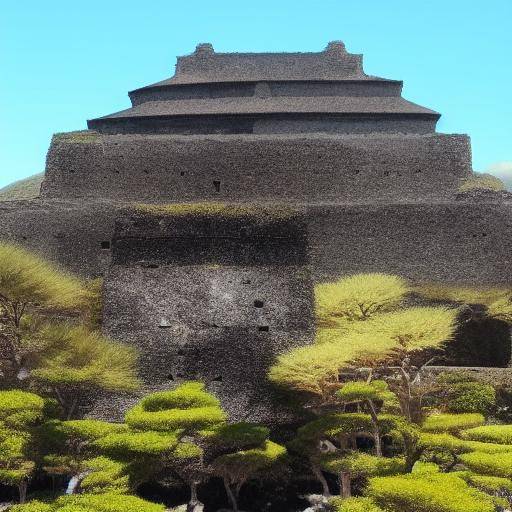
68	450
237	467
166	433
20	412
77	362
382	339
29	285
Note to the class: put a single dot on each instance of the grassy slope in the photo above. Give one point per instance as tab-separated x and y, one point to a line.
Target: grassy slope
22	189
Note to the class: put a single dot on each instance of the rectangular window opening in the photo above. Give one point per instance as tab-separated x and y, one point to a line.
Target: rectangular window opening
216	185
105	245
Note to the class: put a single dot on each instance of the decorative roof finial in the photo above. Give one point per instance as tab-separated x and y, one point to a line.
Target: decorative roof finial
336	47
204	48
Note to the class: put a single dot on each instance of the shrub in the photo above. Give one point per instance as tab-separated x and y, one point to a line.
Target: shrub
471	397
92	503
362	464
493	464
428	493
354	505
188	407
127	444
501	434
452	422
358	297
489	484
453	444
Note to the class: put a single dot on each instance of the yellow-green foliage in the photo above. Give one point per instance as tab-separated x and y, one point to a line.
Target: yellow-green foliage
218	210
362	464
497	300
353	505
413	329
18	411
242	465
88	430
189	407
452	422
127	444
238	435
107	476
500	434
109	502
335	425
425	468
358	297
434	492
494	464
482	182
359	391
27	279
315	368
471	397
77	137
19	408
450	443
78	357
489	484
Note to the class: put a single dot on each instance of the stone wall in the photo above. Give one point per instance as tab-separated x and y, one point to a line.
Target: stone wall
220	320
286	168
453	242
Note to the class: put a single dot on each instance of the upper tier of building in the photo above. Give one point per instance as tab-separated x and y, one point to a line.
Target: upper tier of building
270	93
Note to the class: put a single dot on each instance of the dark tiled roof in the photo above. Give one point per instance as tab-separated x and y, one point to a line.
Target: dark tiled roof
273	105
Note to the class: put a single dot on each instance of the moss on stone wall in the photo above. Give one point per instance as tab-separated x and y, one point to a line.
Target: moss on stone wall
263	213
78	137
481	182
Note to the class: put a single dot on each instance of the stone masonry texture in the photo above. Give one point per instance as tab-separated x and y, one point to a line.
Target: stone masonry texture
365	182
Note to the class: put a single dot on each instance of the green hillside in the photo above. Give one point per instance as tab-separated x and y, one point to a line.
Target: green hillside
22	189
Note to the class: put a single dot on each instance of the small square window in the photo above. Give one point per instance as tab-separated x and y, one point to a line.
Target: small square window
263	328
258	303
105	245
216	185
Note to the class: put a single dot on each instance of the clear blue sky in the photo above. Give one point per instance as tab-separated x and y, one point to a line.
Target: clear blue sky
63	62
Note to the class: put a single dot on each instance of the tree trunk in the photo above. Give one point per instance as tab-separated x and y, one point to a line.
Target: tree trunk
231	495
321	478
22	489
194	502
346	485
376	431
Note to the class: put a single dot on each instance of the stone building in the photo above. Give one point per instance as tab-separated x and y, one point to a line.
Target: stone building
295	168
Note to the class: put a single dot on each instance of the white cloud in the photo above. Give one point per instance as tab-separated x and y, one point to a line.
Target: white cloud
502	170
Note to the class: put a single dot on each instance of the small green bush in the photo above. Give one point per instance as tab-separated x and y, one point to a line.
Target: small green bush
501	434
452	422
471	397
354	505
428	493
493	464
188	407
126	444
362	464
489	484
92	503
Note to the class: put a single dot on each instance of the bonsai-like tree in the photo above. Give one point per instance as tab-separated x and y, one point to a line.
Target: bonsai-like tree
237	467
20	411
29	286
77	361
68	449
66	360
166	433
